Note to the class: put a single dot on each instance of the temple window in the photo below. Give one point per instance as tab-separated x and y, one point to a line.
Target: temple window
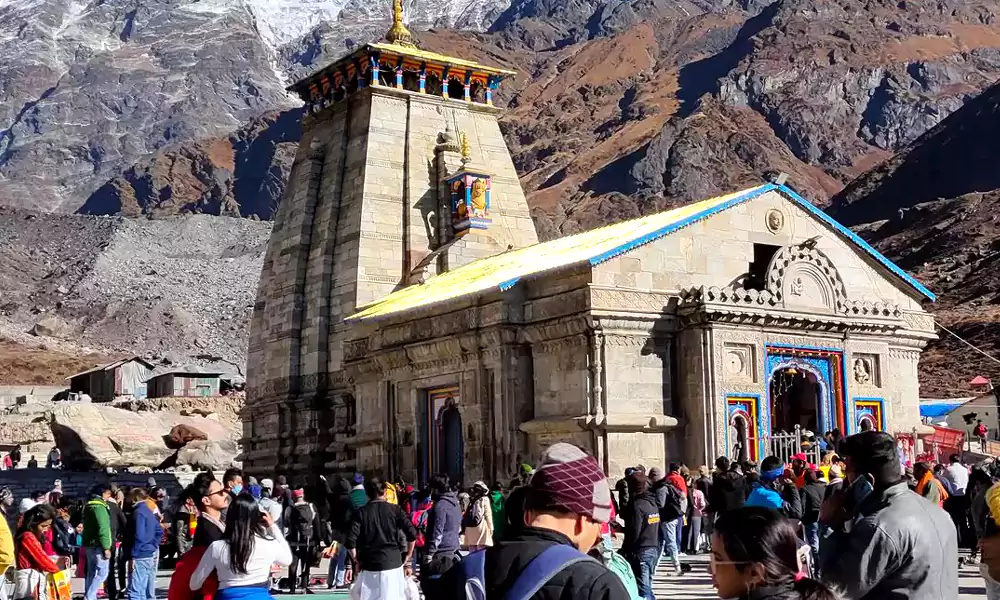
434	84
411	81
757	271
478	92
456	89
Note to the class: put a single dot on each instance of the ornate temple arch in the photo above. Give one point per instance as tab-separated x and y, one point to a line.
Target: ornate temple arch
803	275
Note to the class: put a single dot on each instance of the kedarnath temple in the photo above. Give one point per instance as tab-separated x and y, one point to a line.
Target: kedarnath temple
408	322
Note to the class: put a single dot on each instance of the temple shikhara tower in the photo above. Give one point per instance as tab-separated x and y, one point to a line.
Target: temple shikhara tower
408	322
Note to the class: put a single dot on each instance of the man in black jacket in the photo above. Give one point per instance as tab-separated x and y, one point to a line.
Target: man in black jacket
566	502
729	488
812	493
641	546
373	542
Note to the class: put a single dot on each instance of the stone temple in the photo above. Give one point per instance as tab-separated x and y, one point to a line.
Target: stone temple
408	322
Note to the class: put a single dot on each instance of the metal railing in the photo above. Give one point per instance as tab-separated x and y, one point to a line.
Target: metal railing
786	444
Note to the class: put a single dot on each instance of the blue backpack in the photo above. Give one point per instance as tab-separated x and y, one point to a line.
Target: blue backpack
539	571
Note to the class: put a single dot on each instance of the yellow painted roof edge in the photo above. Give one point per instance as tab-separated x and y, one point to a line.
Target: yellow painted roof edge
504	270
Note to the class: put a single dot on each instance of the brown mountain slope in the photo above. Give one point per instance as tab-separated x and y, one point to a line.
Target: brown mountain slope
933	209
608	106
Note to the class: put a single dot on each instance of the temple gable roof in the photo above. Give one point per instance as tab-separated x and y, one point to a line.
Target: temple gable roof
596	246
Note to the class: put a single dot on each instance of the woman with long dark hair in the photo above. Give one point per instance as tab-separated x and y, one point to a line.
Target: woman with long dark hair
242	559
33	563
755	557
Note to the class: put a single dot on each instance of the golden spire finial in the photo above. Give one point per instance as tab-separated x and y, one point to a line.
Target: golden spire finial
398	33
466	150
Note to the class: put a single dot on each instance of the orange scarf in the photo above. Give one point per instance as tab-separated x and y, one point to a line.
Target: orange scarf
929	479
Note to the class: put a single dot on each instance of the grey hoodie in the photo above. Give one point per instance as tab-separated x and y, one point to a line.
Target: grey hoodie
444	525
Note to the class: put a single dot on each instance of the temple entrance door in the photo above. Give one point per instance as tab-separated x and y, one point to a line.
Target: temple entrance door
795	398
452	444
442	445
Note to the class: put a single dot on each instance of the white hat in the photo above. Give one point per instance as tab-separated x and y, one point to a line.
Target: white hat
266	484
26	505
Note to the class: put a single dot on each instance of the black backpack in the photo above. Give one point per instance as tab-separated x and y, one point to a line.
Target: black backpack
302	524
674	504
473	515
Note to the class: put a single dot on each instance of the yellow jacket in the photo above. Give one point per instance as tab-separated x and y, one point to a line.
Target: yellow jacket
6	546
390	494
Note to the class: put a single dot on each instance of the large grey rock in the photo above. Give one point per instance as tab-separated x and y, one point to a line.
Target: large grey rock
93	435
51	326
208	454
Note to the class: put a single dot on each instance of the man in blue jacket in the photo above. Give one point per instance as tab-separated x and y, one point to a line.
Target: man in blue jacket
146	533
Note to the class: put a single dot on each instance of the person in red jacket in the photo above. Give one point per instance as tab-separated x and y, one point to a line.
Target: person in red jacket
33	564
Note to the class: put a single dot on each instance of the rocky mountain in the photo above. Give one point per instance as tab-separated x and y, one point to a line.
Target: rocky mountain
132	107
92	90
933	208
621	107
180	289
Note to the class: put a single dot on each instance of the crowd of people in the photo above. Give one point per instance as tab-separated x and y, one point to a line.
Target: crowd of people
857	526
12	459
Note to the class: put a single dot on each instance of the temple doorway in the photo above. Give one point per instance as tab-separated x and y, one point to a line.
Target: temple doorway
442	444
795	397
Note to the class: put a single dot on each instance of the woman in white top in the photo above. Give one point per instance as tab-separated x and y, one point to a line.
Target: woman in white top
478	520
242	559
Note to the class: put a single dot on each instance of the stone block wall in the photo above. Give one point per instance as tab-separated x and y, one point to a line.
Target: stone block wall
77	484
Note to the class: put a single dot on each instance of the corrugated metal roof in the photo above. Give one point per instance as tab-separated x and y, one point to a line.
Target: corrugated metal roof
184	370
109	366
596	246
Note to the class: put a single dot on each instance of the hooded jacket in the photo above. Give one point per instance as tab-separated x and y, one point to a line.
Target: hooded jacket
444	525
145	527
642	523
728	492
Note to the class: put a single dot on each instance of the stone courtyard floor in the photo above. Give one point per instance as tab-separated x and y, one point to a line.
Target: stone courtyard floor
695	585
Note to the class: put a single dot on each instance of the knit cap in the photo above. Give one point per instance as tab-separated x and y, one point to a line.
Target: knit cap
656	474
571	479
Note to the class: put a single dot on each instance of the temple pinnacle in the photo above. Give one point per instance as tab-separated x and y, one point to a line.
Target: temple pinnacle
398	33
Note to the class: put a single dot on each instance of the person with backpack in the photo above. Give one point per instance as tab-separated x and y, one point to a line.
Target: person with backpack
421	504
478	519
673	505
641	546
305	534
566	501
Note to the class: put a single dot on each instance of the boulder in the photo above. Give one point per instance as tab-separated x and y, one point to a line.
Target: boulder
51	326
96	435
204	454
181	434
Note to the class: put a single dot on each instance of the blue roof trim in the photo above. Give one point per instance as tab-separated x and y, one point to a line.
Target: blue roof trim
655	235
506	285
856	239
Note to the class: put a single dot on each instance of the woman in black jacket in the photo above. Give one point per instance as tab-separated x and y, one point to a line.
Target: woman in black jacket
641	546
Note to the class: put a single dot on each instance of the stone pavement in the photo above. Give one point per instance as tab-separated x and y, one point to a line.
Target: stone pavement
695	585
